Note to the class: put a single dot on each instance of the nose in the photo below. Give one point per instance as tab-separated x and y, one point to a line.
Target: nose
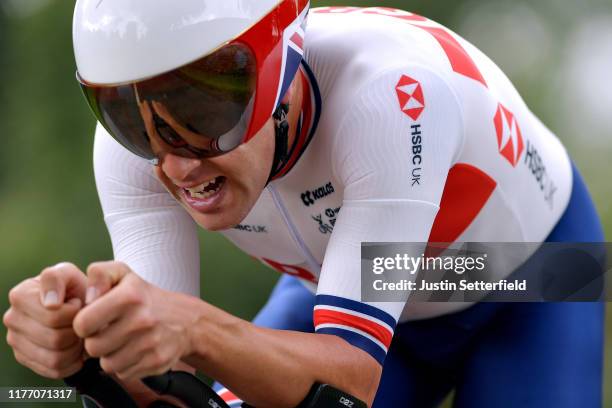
179	168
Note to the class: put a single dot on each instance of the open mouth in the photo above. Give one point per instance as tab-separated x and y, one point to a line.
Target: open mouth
205	190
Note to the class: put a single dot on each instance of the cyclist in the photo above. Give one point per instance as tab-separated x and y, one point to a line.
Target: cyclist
377	125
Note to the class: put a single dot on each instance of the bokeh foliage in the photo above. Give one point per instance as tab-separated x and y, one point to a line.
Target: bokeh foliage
49	211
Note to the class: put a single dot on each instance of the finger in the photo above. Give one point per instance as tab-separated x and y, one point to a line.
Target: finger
26	299
46	371
121	360
56	282
108	308
127	364
114	336
52	360
102	276
43	336
153	363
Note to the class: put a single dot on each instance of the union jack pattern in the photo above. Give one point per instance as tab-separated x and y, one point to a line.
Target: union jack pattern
293	52
229	397
360	324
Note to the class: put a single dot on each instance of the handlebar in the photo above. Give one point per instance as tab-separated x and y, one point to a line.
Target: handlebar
100	388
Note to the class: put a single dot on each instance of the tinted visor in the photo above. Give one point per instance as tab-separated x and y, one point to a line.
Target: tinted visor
199	110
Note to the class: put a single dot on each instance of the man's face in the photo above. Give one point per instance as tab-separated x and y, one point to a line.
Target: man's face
219	192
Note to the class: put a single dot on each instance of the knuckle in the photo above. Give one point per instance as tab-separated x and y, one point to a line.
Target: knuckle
50	273
16	293
64	266
7	318
145	322
156	359
10	338
24	290
94	269
131	296
124	267
13	294
20	358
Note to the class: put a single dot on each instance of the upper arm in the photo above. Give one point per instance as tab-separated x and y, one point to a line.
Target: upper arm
380	151
149	230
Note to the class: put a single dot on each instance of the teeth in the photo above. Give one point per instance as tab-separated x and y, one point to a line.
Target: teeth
201	187
205	194
198	191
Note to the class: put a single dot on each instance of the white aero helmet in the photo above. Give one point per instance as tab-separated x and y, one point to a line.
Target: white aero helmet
197	77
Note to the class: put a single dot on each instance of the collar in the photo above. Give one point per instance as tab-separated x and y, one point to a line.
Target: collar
307	123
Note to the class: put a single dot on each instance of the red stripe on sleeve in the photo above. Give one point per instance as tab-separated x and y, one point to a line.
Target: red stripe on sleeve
228	396
381	333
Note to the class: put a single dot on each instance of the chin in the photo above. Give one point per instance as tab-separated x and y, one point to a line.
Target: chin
221	220
213	222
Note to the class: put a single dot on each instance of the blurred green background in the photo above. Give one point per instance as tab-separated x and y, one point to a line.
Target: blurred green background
557	52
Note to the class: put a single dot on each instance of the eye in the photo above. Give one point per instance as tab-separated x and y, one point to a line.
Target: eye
167	133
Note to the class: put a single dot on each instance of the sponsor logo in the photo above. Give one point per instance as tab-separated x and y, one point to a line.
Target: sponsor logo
251	228
410	97
346	402
509	137
327	220
535	164
309	197
213	404
417	151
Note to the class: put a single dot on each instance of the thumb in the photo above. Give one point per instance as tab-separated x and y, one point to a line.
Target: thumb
102	276
58	281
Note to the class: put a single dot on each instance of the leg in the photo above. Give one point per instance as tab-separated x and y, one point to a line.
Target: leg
543	354
289	307
537	355
420	368
407	383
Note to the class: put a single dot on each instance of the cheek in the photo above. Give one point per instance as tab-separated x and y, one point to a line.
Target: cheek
253	160
263	151
161	176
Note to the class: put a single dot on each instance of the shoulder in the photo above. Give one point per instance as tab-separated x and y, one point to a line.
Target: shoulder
399	118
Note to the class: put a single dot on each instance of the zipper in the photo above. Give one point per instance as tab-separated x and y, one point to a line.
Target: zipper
297	239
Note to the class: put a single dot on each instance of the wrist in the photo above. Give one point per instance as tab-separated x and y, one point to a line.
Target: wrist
195	327
211	333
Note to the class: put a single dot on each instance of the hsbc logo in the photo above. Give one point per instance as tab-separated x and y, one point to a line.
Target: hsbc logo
509	137
410	97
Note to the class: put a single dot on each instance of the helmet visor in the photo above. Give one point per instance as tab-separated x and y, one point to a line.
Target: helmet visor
202	109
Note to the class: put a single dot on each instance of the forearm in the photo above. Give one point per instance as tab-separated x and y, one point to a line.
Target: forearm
273	367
